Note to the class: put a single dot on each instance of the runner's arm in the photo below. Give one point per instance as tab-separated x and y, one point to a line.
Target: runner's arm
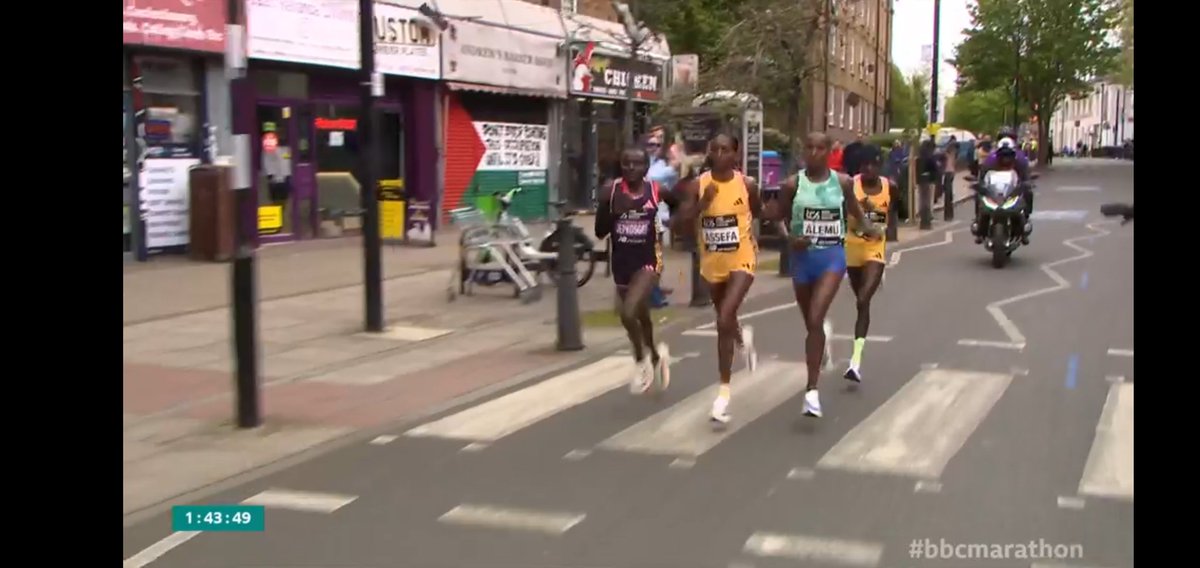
756	202
853	207
683	217
604	212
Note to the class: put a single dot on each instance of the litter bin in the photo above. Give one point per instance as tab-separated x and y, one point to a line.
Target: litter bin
211	213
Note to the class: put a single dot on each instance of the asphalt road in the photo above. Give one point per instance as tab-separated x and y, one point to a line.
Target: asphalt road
966	431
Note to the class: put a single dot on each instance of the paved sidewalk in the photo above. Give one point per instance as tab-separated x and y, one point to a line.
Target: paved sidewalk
324	380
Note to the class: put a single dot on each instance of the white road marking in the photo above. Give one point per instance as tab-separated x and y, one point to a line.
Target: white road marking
1059	215
1078	188
1015	337
474	447
814	549
301	500
927	486
1109	469
682	463
805	473
869	338
683	429
383	440
577	455
553	523
922	426
502	416
701	332
156	550
1070	503
949	238
1121	352
741	317
405	333
1115	379
996	344
928	366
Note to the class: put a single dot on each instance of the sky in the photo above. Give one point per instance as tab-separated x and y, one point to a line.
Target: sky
913	28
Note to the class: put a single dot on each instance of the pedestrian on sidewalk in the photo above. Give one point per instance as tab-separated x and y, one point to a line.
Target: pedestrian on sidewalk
664	170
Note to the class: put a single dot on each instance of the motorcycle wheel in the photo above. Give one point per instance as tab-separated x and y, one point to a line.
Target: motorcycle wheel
999	245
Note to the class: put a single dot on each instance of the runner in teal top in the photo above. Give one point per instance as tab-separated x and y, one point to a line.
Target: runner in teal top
820	199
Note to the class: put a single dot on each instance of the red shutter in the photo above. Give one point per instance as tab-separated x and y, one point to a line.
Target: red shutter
463	152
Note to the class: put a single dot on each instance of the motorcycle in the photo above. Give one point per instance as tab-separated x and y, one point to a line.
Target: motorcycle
1122	210
1002	223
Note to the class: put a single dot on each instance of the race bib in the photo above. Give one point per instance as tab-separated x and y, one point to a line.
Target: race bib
633	230
823	227
720	233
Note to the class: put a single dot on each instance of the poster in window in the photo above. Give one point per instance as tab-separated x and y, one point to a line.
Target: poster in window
512	147
164	200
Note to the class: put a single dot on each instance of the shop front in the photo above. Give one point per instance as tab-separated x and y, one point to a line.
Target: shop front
606	83
305	100
504	81
171	104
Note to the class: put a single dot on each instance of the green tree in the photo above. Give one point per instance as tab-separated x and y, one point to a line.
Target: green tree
909	100
1051	48
1126	73
978	111
690	26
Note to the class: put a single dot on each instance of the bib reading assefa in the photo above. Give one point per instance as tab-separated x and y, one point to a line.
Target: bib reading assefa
823	227
720	233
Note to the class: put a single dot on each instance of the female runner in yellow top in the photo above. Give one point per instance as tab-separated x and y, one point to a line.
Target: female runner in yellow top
725	203
865	259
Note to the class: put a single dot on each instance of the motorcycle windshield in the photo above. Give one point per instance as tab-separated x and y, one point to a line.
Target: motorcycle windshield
1001	183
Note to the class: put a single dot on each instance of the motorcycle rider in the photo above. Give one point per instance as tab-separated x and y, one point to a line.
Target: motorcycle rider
1006	156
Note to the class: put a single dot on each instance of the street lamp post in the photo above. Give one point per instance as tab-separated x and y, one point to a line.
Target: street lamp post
637	36
368	144
933	78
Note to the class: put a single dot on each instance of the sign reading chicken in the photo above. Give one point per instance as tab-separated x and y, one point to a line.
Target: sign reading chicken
597	75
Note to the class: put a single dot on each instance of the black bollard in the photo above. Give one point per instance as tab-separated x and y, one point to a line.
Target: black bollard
925	201
570	331
700	297
892	232
948	196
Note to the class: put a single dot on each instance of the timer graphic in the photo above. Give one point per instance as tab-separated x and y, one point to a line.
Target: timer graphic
223	518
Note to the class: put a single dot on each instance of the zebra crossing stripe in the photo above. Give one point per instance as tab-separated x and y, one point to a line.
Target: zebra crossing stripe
683	429
920	428
1109	469
500	417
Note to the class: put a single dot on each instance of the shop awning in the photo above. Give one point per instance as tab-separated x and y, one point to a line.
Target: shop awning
496	89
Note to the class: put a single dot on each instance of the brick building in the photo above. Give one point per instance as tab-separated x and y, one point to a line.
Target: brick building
851	98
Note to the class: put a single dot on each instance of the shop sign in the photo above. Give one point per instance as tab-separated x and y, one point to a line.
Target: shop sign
319	32
597	75
489	55
391	209
513	147
197	25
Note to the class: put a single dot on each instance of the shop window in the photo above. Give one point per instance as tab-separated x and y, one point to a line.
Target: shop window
171	96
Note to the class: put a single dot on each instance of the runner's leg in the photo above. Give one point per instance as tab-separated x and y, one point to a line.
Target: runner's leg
727	300
868	279
819	297
642	285
635	300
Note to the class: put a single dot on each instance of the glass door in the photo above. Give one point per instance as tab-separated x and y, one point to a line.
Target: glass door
276	207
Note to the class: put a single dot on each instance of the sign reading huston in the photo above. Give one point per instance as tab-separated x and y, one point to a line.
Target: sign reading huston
511	147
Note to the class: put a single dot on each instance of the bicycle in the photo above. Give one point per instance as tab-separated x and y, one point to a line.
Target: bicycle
547	251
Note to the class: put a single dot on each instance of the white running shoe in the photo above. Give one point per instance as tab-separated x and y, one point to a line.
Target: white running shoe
748	350
827	360
812	404
720	411
642	376
663	372
852	374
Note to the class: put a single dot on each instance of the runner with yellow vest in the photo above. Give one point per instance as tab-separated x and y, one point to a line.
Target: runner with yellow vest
725	203
865	259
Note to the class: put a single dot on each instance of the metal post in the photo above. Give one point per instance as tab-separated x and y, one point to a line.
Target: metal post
369	166
1017	88
933	79
700	295
570	331
243	288
925	188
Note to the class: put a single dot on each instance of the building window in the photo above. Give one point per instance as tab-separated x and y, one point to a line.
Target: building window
832	94
833	41
171	95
